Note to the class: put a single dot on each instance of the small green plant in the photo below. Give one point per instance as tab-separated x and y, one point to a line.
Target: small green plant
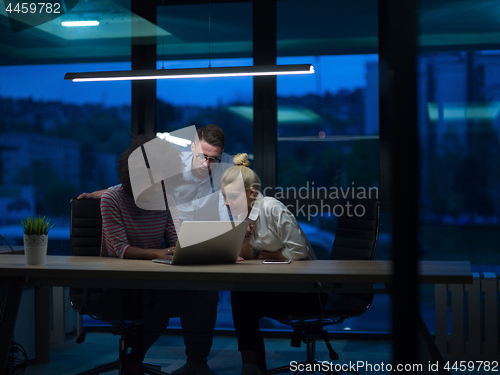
36	225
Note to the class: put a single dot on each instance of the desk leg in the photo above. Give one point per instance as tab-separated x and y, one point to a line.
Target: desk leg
42	324
8	313
429	352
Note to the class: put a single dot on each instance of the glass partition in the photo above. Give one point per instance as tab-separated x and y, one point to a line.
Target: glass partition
57	140
459	143
460	156
458	119
328	128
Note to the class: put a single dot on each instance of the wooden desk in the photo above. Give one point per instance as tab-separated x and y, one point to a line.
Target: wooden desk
8	249
247	275
302	276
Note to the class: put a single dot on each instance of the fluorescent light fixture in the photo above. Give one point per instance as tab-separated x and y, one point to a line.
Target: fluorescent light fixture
175	140
79	23
286	115
329	138
232	71
461	112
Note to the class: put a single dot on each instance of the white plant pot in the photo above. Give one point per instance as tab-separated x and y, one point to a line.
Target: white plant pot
35	249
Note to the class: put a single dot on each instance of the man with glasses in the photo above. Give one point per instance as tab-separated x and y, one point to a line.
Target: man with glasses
199	197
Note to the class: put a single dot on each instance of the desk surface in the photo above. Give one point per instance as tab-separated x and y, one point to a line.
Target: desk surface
126	273
8	249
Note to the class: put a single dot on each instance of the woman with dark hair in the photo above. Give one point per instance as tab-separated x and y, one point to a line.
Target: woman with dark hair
132	232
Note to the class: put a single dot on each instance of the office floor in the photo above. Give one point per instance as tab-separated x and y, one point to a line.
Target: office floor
99	347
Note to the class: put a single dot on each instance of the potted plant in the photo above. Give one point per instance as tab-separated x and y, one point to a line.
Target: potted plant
36	234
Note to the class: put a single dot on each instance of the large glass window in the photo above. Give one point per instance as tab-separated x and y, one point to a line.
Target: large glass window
212	35
328	133
57	139
227	102
458	119
328	129
460	204
460	159
328	137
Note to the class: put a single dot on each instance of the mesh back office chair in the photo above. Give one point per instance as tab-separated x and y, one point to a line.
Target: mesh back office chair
85	235
355	238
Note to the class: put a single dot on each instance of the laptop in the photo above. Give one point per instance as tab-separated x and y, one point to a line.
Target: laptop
208	242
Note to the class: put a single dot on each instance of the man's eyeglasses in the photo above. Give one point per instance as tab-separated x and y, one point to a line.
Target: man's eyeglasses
210	159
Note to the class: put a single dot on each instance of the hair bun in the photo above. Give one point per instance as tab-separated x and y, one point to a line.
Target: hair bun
241	159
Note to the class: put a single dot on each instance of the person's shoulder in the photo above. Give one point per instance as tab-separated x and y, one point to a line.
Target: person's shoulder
272	202
185	155
113	193
226	158
277	207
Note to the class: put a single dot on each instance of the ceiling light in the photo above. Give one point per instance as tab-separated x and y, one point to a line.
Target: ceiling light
176	140
79	23
233	71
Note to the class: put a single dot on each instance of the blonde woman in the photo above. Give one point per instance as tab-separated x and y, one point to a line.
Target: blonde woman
273	233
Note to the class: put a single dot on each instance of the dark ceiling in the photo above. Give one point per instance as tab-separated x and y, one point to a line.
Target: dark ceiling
305	27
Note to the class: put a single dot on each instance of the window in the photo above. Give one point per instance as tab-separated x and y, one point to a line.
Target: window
458	120
227	102
57	140
460	148
328	130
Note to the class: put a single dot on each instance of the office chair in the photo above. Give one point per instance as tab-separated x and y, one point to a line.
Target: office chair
355	238
85	236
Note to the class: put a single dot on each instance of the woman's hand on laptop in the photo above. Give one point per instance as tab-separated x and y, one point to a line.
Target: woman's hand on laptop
167	253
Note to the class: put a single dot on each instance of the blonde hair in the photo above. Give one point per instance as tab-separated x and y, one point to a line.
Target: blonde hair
242	165
241	159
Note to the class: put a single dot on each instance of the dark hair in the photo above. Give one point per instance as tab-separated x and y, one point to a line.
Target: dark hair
122	167
167	150
213	135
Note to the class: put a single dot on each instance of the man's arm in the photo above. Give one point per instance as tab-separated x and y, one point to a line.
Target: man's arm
95	194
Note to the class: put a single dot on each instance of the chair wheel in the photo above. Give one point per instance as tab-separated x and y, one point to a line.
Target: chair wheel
81	336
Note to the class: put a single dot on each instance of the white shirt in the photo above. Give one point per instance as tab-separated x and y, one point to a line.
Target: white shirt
195	199
275	228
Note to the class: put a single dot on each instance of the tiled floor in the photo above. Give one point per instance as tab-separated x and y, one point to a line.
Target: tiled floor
71	358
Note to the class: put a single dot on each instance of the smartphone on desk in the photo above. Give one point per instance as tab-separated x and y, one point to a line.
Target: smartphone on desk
276	261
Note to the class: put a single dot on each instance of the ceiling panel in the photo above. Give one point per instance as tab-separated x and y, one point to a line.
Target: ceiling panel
309	27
